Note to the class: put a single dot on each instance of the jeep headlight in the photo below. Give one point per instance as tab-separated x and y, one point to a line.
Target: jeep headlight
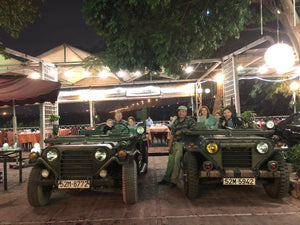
270	124
52	155
212	148
100	155
262	147
140	130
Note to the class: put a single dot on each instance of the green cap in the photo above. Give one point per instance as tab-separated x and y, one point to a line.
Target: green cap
182	107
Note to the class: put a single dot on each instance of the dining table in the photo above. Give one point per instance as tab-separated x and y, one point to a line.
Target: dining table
5	154
31	137
163	130
64	132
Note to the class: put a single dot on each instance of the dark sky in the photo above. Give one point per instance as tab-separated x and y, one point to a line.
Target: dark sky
61	22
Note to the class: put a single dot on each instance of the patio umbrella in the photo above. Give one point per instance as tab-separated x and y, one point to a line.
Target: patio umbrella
16	89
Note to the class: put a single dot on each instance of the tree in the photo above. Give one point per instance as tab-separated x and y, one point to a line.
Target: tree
265	98
155	34
15	15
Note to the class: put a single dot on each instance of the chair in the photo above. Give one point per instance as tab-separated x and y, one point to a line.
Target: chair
4	138
75	131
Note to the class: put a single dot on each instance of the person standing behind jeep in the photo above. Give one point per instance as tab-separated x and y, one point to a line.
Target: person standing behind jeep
119	124
176	147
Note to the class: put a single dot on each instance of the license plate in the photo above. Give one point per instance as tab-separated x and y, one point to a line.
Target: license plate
238	181
68	184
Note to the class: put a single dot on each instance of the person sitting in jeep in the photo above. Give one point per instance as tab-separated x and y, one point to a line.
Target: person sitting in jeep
120	124
108	127
228	120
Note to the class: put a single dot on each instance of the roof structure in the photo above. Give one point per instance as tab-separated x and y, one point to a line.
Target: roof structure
248	61
69	62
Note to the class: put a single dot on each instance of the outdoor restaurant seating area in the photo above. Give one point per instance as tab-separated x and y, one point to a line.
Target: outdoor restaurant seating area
28	137
158	134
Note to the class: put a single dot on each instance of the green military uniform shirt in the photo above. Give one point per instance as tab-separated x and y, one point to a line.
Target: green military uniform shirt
121	126
188	122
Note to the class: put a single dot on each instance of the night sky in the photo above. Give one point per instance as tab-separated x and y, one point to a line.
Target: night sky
60	22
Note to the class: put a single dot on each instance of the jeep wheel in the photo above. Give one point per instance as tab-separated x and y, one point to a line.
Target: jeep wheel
279	187
191	175
37	195
129	183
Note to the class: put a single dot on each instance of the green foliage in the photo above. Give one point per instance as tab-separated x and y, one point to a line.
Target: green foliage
275	95
54	117
293	155
248	117
15	15
155	34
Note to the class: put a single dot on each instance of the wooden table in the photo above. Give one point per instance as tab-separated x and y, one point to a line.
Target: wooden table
158	129
5	154
29	138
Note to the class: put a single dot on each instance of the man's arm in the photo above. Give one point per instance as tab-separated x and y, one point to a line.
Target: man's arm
170	144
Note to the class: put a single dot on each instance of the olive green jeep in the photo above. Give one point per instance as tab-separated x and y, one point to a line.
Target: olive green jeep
95	162
241	156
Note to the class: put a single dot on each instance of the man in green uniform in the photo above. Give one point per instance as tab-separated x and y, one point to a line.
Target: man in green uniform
120	124
176	147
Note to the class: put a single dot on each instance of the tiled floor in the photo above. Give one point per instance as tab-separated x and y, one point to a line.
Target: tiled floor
157	204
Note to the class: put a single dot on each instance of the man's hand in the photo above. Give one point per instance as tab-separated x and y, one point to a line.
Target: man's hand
223	123
178	132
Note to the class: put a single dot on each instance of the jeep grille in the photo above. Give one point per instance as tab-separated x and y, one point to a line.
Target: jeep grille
76	164
236	157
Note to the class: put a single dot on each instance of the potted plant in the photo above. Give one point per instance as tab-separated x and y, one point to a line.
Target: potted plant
53	118
248	117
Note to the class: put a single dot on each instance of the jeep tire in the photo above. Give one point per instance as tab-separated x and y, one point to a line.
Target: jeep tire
37	195
191	175
279	186
129	182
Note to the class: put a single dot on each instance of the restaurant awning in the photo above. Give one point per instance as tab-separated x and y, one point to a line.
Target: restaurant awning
24	90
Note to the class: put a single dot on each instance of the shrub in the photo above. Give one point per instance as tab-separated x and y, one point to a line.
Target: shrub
293	155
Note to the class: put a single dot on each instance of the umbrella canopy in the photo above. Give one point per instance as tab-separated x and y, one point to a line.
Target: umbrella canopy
16	89
22	90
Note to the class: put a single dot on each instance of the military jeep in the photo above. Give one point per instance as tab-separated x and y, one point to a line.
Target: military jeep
96	162
235	157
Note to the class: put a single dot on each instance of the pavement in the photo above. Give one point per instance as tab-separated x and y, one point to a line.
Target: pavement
157	205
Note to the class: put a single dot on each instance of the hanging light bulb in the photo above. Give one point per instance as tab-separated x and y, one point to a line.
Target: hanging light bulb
281	57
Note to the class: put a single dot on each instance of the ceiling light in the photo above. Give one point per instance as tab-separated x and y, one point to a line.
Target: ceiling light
69	73
85	73
137	73
239	68
35	75
263	69
219	78
189	69
103	74
281	57
121	73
